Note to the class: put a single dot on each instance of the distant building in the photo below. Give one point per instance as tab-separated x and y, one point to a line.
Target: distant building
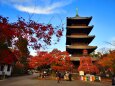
6	62
78	38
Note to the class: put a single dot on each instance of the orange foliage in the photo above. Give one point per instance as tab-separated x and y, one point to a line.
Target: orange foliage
108	61
87	66
40	60
56	59
19	65
61	61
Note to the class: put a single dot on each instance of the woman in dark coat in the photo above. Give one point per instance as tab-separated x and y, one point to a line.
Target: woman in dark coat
70	76
58	77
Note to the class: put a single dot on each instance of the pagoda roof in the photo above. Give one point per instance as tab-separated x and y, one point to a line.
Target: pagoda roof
78	30
79	18
81	47
79	27
80	36
78	58
82	20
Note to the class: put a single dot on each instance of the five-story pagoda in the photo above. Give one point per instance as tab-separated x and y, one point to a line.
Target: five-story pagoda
78	38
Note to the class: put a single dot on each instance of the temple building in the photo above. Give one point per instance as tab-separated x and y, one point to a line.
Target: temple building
78	38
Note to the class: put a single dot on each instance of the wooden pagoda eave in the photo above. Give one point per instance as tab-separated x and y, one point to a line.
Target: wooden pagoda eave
75	58
73	29
80	18
80	36
81	47
79	27
86	40
78	58
85	20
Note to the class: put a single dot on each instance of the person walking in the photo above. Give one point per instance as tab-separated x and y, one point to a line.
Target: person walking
70	76
113	80
58	77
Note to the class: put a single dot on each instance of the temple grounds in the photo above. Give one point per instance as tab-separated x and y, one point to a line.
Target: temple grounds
31	81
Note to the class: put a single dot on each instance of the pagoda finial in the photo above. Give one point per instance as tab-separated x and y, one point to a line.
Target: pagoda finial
77	12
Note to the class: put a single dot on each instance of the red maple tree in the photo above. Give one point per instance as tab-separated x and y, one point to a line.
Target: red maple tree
40	61
62	61
23	34
56	60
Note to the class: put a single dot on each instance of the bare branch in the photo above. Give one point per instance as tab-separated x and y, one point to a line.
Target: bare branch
113	44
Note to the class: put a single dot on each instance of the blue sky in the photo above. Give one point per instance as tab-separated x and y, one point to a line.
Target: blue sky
56	11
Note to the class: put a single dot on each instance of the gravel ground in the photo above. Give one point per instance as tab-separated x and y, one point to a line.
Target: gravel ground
29	81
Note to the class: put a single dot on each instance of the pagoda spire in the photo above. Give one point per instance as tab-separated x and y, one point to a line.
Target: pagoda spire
77	12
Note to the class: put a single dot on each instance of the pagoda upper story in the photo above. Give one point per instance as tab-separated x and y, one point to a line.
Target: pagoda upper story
77	36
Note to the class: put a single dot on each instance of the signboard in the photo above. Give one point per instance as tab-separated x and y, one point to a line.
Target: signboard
81	73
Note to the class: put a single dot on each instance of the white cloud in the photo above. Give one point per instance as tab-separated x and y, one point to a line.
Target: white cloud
40	9
38	6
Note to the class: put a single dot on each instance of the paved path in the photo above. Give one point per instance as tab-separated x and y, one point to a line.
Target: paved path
29	81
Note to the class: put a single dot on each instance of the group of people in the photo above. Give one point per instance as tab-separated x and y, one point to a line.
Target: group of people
67	76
